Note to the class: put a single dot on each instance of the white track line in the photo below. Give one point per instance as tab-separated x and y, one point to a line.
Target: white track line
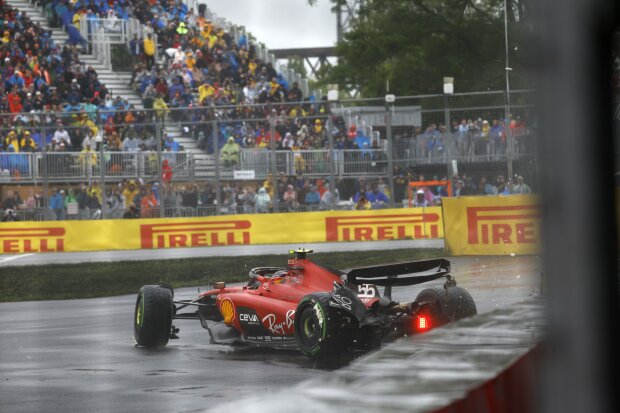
13	257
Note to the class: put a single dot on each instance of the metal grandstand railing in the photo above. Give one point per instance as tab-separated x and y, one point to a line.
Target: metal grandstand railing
88	213
85	166
316	163
102	33
101	48
115	30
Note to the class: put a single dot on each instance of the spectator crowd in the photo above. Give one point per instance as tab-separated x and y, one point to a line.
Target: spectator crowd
207	74
50	100
135	198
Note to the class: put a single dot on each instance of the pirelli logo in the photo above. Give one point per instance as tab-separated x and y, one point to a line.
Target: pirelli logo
517	224
23	240
382	227
195	234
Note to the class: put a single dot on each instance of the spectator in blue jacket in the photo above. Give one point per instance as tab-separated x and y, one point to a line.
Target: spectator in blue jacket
313	197
57	204
377	198
136	48
170	143
75	37
503	186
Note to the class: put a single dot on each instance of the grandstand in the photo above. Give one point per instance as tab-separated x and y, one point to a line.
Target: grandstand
221	113
113	25
117	82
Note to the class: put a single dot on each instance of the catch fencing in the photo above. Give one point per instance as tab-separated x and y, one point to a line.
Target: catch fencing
339	144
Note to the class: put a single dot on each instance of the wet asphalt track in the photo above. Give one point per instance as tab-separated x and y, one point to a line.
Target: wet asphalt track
78	356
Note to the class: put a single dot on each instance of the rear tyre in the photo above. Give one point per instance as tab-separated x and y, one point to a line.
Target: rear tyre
447	305
322	332
153	316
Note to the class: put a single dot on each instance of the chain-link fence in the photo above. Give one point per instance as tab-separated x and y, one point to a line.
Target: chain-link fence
271	157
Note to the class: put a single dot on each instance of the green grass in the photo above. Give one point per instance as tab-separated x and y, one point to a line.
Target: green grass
70	281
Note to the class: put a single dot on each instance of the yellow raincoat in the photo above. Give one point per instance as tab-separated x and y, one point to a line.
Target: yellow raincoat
161	108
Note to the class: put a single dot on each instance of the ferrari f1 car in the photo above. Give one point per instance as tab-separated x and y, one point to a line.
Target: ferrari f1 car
325	313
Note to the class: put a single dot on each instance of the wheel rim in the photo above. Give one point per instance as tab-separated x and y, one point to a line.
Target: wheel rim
139	314
140	310
139	320
310	328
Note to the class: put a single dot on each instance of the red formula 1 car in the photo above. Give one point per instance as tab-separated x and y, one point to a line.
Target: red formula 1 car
324	313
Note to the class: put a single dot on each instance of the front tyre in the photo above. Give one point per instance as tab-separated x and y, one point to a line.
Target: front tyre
153	316
322	332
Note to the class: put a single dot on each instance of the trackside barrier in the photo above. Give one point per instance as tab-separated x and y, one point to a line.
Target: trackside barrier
513	390
334	226
495	225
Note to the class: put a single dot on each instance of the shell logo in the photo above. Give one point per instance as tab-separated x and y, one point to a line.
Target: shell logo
227	309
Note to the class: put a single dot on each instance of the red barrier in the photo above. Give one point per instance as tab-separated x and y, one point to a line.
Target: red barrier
514	390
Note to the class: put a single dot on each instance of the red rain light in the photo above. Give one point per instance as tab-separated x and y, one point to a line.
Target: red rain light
423	323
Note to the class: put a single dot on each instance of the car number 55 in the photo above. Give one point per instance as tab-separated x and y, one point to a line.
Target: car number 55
366	291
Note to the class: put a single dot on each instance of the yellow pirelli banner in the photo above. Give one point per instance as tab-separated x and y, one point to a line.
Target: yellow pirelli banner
497	225
297	228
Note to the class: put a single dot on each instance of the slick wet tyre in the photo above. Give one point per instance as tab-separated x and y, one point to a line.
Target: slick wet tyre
322	332
447	305
153	316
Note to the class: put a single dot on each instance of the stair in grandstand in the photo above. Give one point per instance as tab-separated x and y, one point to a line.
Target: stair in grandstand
204	167
117	83
36	15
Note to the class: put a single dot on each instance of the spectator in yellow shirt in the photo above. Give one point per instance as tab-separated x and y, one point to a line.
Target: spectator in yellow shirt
205	91
27	144
161	108
149	51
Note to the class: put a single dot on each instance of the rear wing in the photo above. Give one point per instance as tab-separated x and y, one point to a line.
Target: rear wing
406	273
